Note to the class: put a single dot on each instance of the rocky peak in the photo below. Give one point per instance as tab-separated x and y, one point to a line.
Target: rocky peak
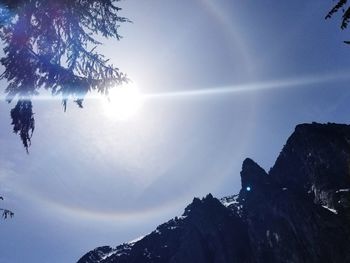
207	204
252	175
256	183
97	255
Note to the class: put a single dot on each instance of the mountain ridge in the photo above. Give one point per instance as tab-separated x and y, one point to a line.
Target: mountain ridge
297	212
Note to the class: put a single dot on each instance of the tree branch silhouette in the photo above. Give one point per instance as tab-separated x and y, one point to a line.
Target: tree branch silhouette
51	45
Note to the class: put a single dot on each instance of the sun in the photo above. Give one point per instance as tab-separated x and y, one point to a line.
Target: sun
123	102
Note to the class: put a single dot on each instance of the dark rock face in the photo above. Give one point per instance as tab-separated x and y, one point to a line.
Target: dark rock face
298	212
286	226
316	160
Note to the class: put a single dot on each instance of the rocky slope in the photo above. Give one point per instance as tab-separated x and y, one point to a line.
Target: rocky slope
298	212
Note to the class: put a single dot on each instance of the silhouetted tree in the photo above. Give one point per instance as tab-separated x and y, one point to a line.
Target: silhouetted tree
5	212
343	7
51	44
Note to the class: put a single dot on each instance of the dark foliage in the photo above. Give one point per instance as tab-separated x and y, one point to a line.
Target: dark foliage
52	44
5	212
343	7
23	121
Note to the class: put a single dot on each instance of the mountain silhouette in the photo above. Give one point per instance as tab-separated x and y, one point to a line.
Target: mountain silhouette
297	212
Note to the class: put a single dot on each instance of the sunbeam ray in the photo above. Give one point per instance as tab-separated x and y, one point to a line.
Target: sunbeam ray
239	88
256	86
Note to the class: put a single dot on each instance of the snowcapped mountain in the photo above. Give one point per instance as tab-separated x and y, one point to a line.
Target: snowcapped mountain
298	212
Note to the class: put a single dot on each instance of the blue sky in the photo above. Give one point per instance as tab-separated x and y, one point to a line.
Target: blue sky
90	180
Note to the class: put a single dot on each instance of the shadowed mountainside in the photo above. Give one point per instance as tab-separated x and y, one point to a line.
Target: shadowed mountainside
298	212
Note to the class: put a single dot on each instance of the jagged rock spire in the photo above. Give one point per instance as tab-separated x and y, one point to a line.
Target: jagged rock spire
252	175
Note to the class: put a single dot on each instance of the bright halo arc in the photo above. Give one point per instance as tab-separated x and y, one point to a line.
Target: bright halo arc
123	102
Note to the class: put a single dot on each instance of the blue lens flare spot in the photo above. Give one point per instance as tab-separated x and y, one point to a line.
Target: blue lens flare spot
248	188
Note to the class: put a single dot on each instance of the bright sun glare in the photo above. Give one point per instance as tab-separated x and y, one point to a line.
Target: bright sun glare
123	102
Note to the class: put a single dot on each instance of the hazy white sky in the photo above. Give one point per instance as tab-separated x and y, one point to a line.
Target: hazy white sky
90	180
